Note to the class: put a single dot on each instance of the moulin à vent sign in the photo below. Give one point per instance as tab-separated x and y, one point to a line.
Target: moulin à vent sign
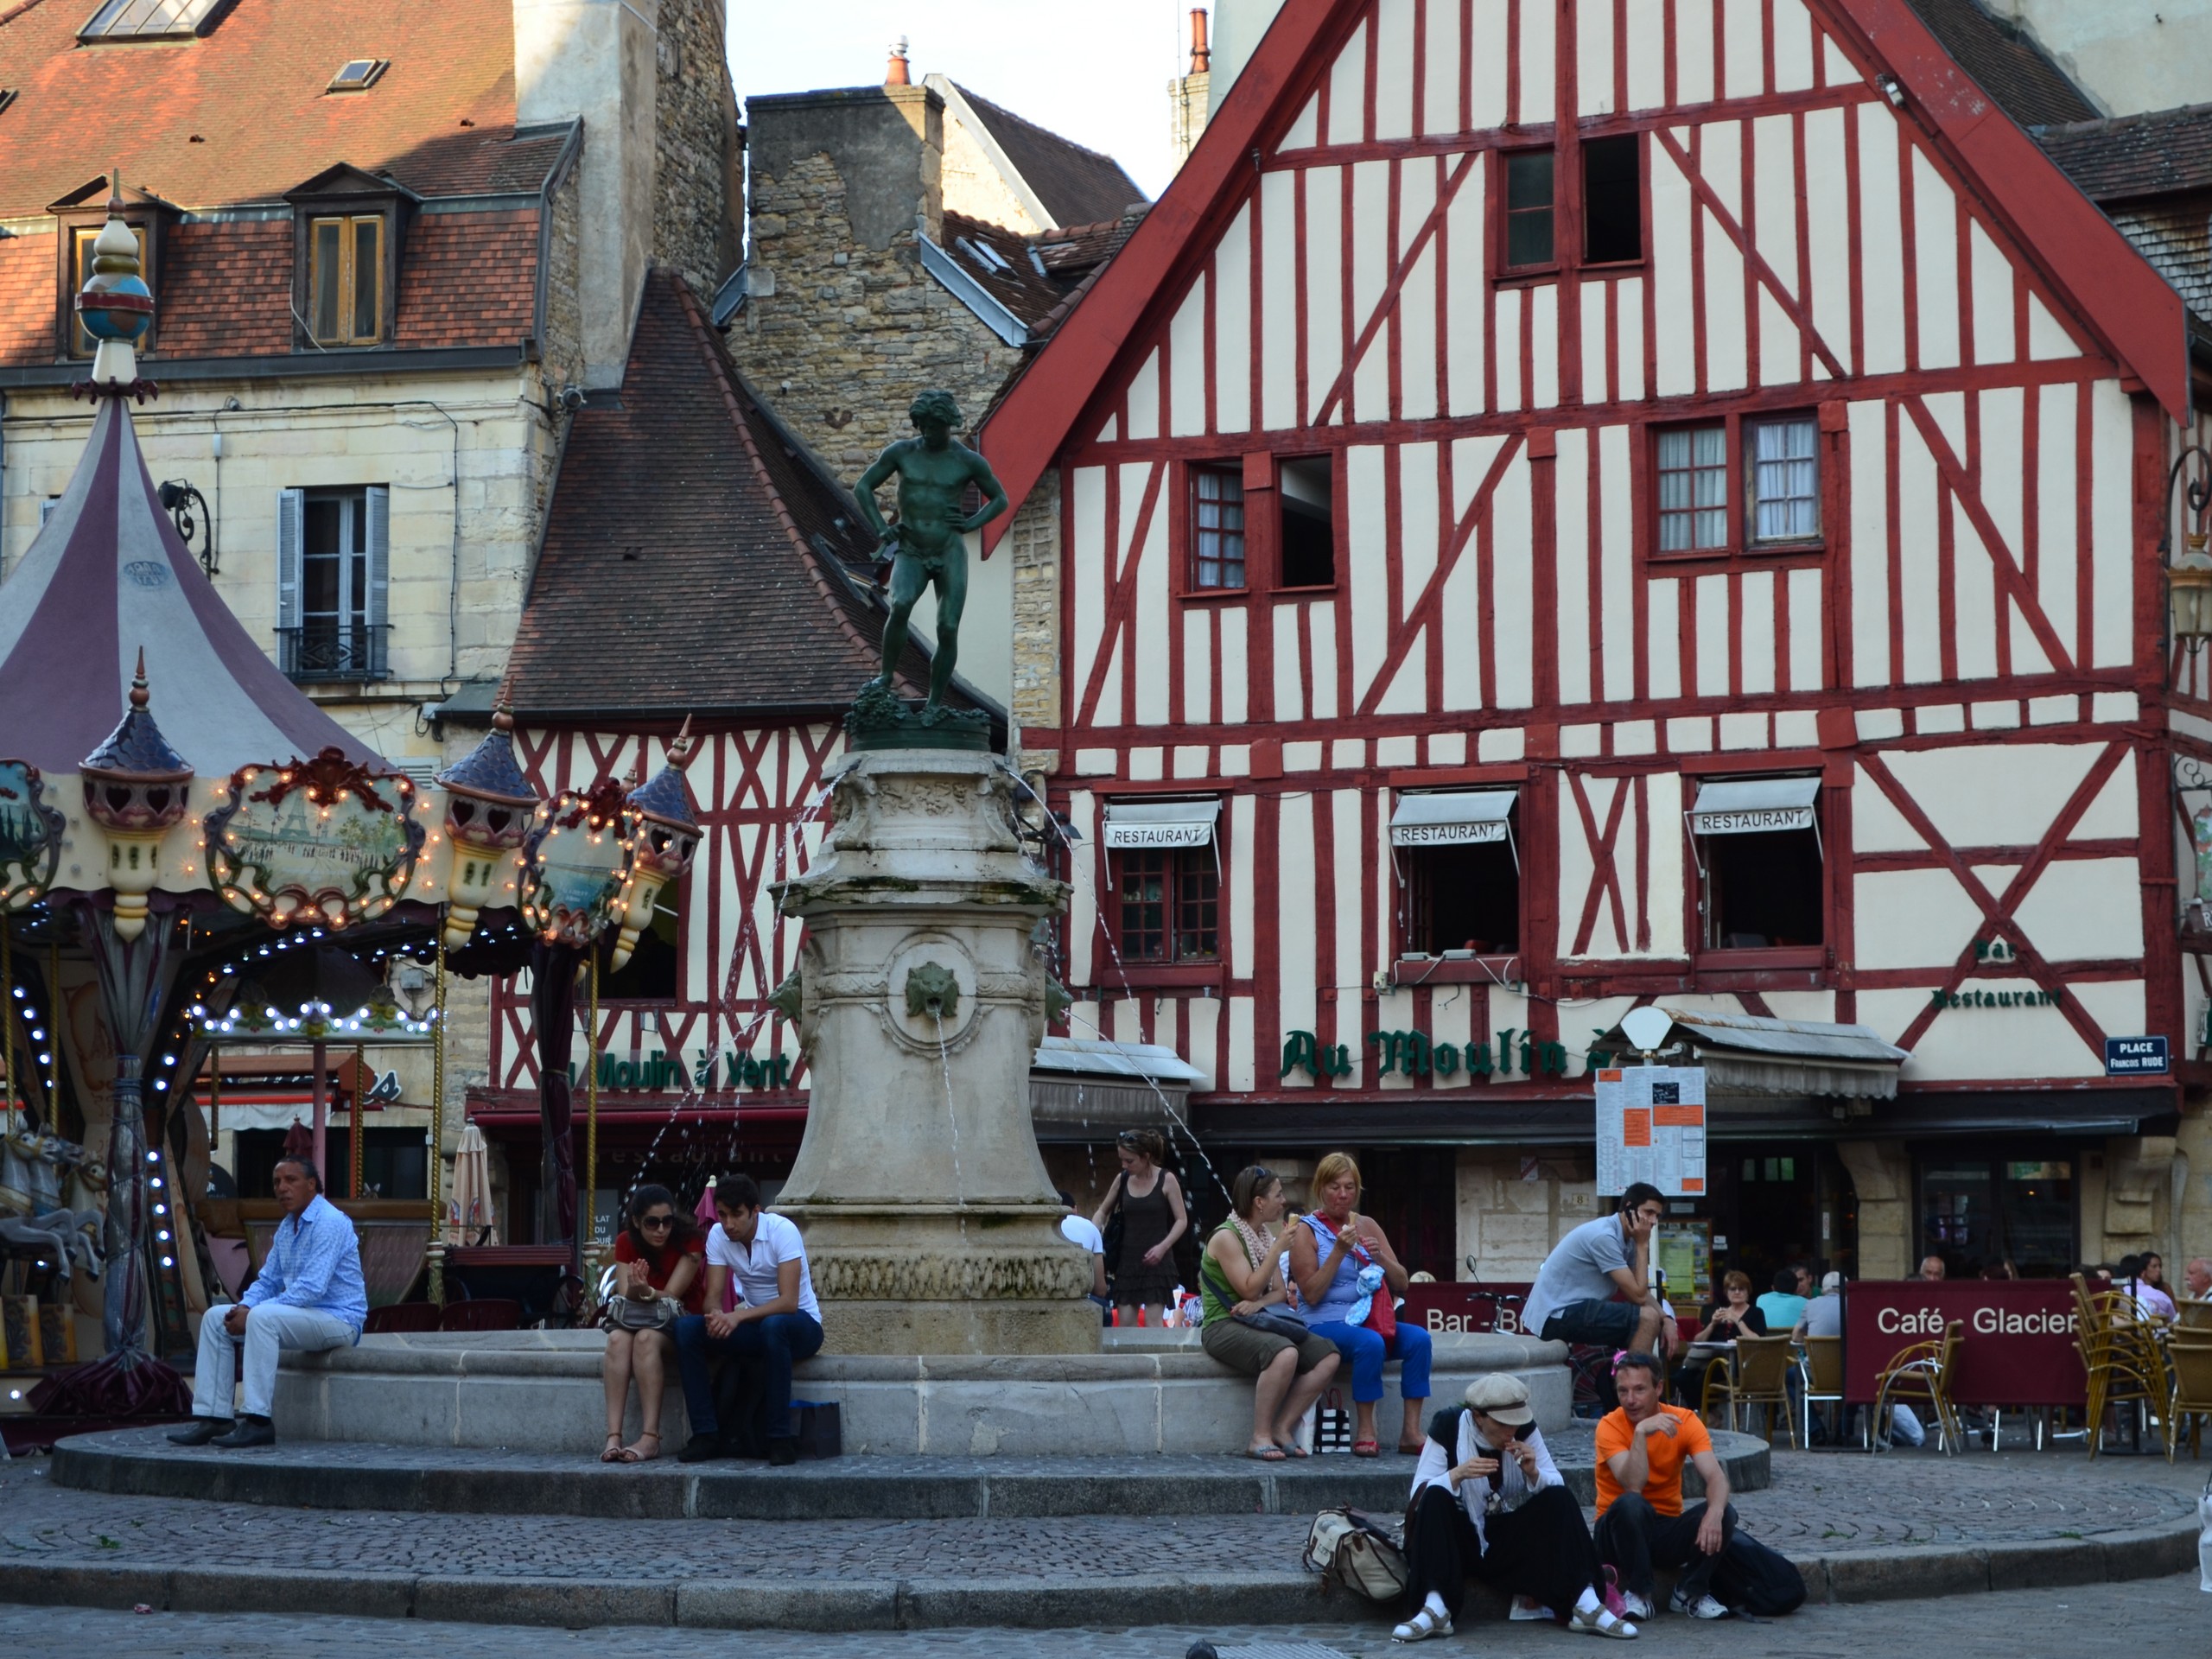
651	1073
1415	1054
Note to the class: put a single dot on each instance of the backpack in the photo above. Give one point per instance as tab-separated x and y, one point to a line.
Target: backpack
1752	1578
1347	1547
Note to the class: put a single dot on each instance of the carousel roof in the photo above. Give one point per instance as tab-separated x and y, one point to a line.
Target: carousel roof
107	577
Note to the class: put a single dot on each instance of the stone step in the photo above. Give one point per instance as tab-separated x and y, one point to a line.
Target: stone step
354	1475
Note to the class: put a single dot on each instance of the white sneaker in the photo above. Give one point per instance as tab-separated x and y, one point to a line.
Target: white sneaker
1528	1607
1702	1607
1599	1621
1635	1606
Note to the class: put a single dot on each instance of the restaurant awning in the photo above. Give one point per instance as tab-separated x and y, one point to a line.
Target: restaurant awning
273	1091
1159	823
1738	806
1453	818
1756	1055
1081	1089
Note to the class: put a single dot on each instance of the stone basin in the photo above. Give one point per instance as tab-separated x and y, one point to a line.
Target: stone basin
1148	1391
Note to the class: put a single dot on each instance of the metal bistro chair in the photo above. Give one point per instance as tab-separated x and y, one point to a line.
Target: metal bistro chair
2189	1387
2120	1354
1821	1373
2192	1316
1924	1373
1758	1376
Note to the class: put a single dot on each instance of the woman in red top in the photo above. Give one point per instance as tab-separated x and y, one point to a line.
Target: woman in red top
659	1253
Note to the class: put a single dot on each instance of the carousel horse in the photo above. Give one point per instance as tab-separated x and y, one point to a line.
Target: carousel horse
34	1170
64	1239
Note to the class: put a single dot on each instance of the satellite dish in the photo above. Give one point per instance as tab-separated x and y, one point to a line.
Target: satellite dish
1647	1028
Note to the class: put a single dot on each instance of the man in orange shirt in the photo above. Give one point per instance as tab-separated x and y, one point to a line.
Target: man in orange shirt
1641	1521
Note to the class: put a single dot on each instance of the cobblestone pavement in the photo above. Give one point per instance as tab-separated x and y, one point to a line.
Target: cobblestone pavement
1818	1504
2148	1616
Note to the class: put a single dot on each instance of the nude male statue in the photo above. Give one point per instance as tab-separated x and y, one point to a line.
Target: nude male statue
925	547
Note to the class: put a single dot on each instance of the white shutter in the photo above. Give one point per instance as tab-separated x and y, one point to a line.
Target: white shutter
379	545
291	537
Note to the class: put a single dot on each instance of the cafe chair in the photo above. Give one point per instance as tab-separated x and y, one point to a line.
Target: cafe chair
1822	1372
1921	1374
1758	1376
2120	1354
2188	1386
2192	1316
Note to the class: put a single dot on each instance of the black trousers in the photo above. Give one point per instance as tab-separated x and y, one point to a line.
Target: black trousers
1541	1550
1634	1538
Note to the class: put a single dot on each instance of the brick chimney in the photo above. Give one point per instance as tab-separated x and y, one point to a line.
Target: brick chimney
895	72
1187	93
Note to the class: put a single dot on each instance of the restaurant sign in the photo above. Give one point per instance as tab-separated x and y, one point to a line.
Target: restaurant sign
651	1073
2017	1347
1415	1054
319	842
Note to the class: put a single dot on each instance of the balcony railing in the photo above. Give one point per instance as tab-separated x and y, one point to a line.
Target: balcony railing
324	652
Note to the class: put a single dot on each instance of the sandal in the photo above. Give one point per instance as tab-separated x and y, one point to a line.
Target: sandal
1292	1449
631	1454
1368	1449
1412	1451
613	1452
1268	1453
1423	1625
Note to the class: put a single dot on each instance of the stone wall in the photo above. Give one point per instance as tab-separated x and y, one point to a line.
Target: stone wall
561	352
1033	542
697	182
974	184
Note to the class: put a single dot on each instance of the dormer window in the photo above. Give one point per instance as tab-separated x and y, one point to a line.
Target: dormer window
348	228
358	75
151	19
78	218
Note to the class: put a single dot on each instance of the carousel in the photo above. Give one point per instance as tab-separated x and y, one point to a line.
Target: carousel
195	860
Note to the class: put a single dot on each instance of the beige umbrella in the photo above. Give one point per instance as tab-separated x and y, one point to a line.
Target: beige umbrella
470	1209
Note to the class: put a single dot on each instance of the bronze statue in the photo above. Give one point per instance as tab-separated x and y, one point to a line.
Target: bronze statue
926	547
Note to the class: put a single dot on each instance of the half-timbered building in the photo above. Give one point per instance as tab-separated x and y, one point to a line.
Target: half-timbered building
1567	504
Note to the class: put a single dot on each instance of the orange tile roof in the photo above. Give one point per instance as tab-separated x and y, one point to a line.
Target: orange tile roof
241	115
27	298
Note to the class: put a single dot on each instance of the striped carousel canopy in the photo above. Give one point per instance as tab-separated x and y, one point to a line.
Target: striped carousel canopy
107	577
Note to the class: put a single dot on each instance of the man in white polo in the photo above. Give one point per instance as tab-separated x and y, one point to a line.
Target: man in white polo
777	1321
308	1296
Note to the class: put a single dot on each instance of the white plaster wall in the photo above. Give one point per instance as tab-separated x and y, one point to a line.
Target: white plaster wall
2128	55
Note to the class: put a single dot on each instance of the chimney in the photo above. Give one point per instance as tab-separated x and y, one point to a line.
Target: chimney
1187	94
599	62
1201	58
895	73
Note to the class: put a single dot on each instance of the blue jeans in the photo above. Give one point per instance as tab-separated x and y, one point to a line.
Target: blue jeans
1368	1353
778	1341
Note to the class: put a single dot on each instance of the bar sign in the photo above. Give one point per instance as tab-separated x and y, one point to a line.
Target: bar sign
2135	1056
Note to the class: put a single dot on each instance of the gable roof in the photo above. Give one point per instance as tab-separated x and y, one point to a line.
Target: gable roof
243	115
696	559
1067	184
2091	265
2130	156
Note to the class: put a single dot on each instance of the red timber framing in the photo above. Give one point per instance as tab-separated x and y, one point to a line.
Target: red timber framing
1838	229
757	795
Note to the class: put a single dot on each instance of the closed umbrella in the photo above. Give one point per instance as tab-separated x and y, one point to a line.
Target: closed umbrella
470	1210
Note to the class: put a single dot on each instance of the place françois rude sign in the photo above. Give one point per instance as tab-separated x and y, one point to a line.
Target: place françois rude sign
2017	1348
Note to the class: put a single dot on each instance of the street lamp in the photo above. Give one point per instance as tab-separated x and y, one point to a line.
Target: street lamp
2188	578
177	496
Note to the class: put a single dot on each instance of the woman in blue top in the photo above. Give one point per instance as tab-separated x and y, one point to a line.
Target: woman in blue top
1342	1263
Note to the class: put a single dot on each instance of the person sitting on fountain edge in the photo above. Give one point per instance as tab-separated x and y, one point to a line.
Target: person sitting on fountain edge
307	1296
776	1322
1641	1521
1575	1298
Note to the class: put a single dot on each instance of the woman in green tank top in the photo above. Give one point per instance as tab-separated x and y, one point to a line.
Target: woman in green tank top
1240	1278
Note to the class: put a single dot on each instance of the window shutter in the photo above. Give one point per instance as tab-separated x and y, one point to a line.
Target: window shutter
292	534
379	543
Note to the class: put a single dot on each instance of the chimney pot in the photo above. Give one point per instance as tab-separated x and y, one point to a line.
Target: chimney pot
1201	54
895	75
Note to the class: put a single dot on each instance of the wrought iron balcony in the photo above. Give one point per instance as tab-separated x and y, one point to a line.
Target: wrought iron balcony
324	652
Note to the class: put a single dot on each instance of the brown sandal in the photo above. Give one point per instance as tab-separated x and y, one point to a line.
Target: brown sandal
631	1454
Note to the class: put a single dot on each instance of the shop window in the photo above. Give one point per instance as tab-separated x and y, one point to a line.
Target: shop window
1980	1212
1613	200
1764	882
1308	489
650	976
1169	900
1775	504
346	279
332	580
1216	528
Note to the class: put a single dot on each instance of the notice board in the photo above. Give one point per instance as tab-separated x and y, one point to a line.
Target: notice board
1651	1127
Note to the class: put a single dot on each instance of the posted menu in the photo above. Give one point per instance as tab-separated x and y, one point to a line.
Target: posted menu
1651	1127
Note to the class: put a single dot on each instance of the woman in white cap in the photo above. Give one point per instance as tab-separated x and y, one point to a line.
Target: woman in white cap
1488	1500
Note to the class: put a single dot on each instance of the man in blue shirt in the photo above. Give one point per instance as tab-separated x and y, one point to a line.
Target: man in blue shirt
1596	1287
309	1295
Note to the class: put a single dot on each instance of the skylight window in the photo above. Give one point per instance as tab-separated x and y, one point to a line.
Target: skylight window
985	256
144	20
358	75
7	96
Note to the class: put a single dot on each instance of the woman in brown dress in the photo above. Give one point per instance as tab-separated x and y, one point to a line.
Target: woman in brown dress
1150	1200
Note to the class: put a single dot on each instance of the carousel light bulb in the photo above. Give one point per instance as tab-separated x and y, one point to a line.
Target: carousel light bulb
163	1235
153	1157
161	1083
161	1209
168	1261
37	1036
46	1059
155	1182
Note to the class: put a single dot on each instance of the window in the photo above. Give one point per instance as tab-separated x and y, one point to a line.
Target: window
395	1163
149	20
333	573
1217	527
1613	200
1758	850
1698	508
346	279
1170	905
649	975
1529	210
358	75
1308	490
1462	899
81	237
1693	489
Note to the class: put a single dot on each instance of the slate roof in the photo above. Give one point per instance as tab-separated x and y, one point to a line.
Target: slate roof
1077	186
2006	64
242	115
698	560
2135	155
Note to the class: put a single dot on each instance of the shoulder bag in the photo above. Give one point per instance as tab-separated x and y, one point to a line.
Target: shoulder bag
1358	1552
644	1314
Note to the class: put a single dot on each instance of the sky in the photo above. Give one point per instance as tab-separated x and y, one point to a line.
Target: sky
1097	73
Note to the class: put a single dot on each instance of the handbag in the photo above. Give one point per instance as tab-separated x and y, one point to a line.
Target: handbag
1347	1547
644	1314
1275	1324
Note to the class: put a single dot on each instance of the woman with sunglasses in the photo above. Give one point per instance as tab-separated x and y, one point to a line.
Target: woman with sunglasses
658	1254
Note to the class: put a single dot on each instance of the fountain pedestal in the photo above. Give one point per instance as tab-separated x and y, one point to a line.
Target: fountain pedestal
931	1225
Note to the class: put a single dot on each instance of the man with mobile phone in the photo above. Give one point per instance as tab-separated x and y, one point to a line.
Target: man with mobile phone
1596	1286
